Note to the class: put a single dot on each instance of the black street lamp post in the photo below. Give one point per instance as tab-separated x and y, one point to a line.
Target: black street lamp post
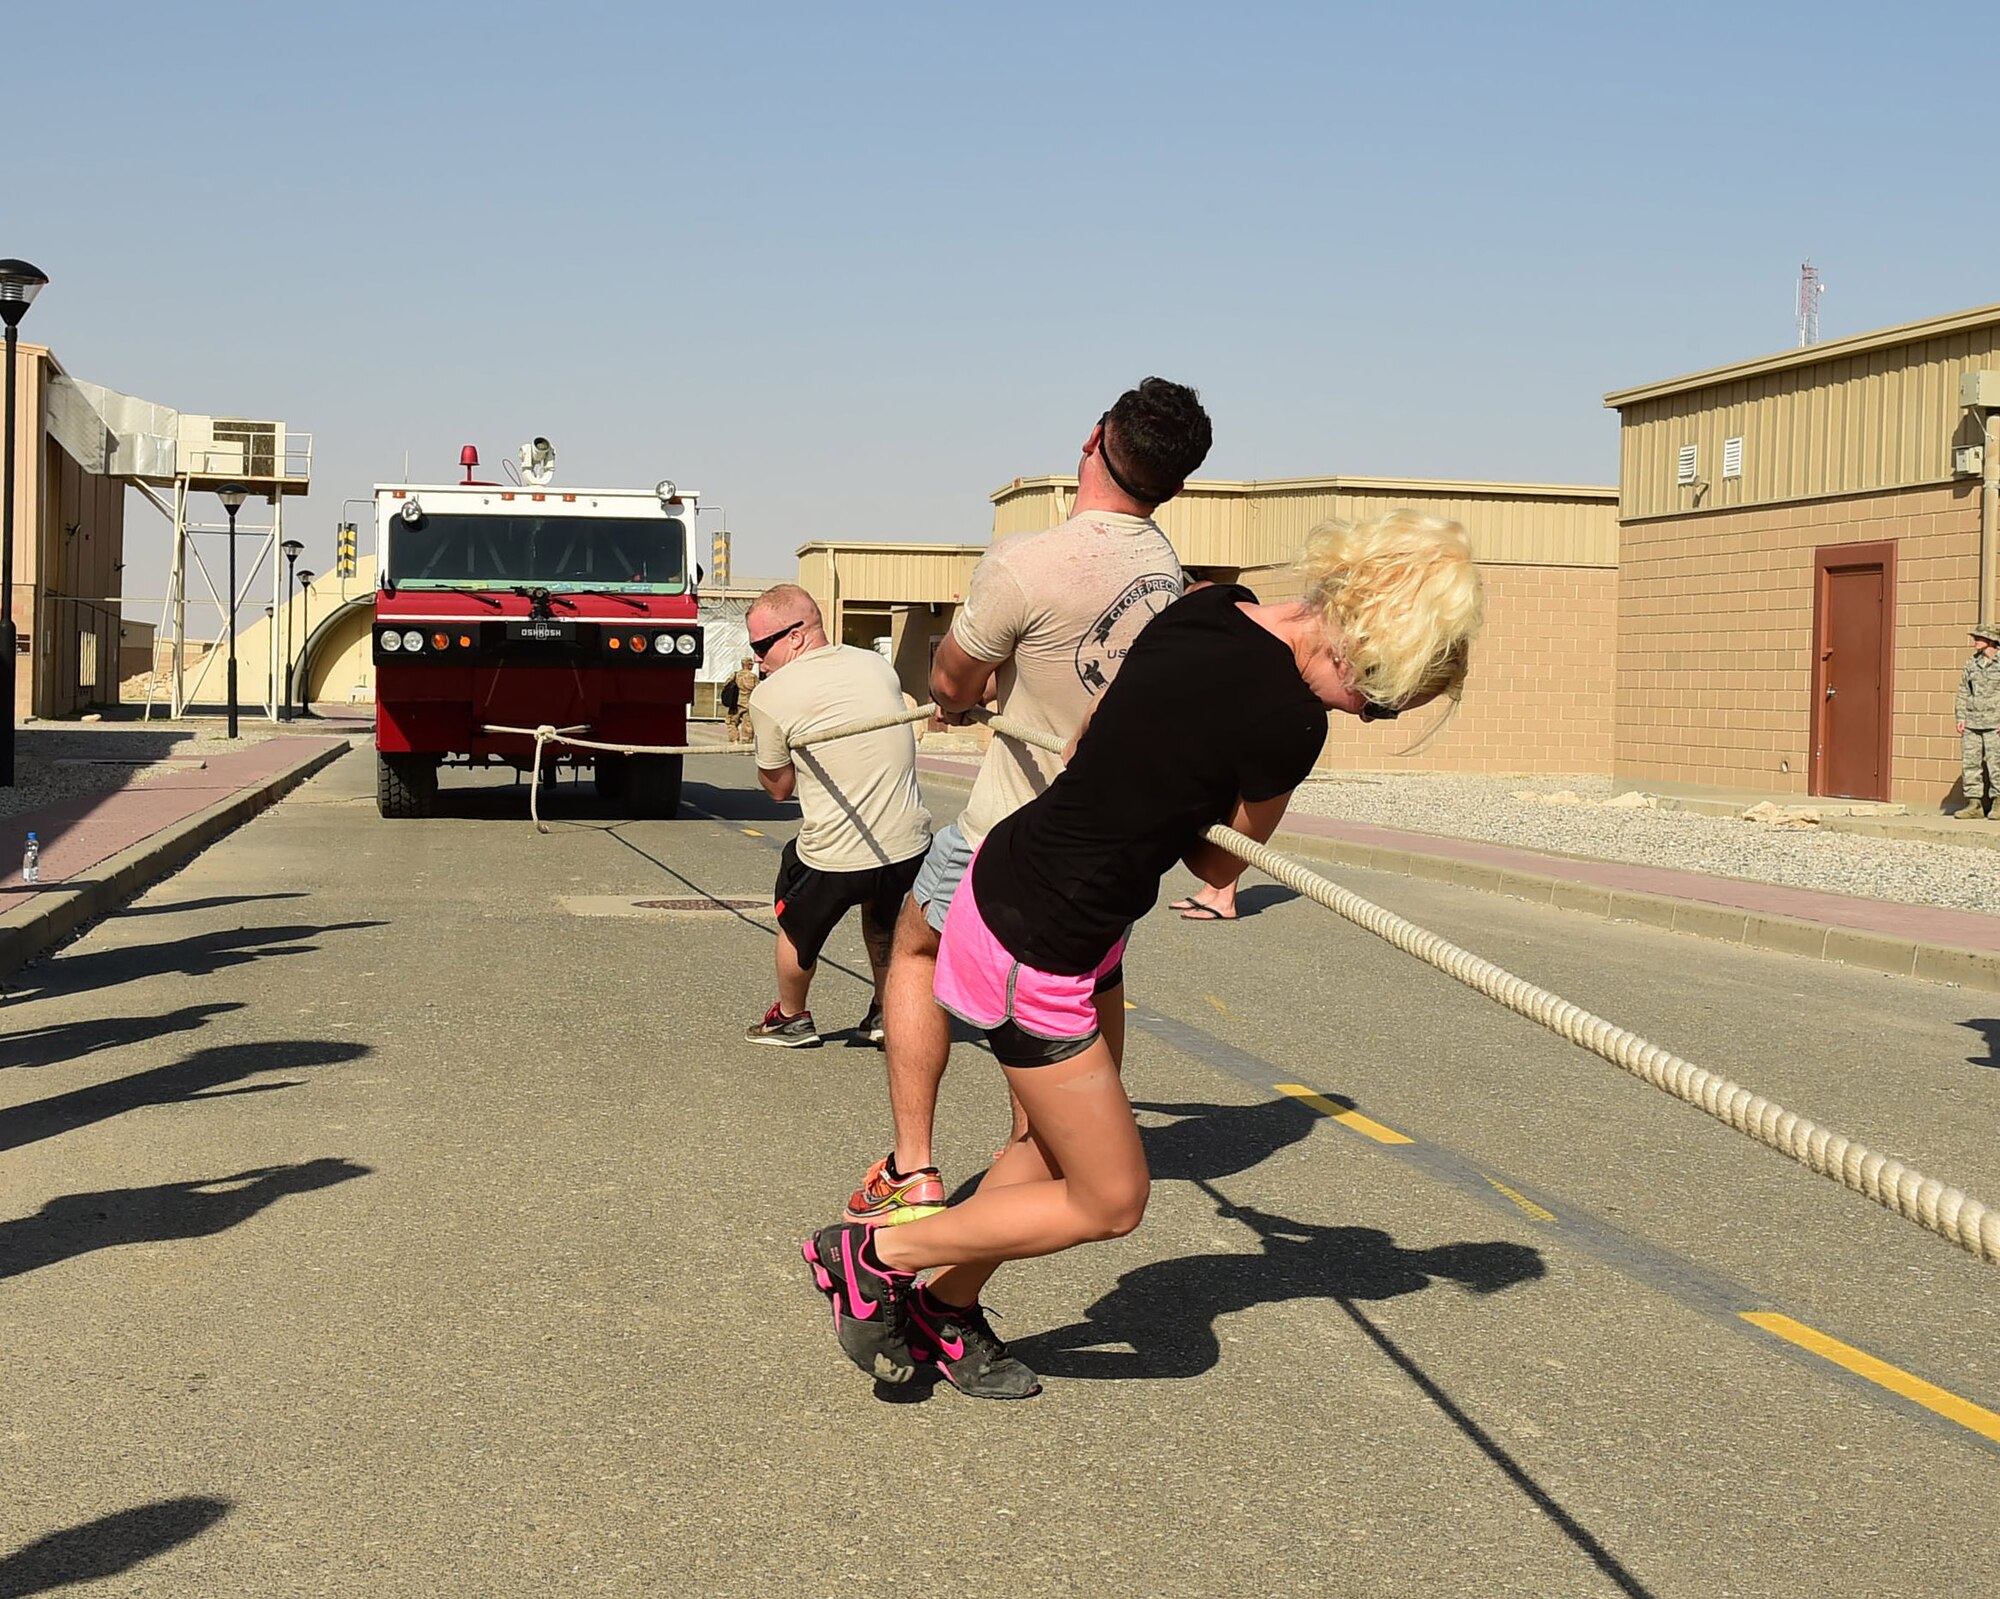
19	284
293	549
232	496
305	646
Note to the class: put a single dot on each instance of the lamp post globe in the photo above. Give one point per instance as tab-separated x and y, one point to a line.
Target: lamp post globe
232	496
305	646
291	549
19	284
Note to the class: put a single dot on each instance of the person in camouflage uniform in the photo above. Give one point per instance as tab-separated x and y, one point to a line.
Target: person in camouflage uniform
745	684
1979	719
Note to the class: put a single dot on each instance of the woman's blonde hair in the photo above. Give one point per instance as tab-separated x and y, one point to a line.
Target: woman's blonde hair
1401	601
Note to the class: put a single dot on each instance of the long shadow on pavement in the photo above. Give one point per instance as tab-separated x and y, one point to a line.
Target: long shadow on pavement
105	1547
1166	1312
1988	1030
211	903
80	1224
60	1042
199	956
200	1076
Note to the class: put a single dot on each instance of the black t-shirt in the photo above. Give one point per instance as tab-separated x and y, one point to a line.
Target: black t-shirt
1207	707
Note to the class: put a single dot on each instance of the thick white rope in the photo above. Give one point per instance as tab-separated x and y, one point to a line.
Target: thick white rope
567	736
1949	1212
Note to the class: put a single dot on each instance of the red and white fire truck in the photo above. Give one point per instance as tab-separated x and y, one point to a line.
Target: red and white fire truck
516	606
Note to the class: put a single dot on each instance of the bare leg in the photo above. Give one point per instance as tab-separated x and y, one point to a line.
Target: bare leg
1222	901
917	1037
1083	1130
1111	1026
878	941
794	980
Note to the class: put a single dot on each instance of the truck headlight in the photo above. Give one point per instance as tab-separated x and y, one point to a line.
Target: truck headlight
391	642
685	644
663	644
413	640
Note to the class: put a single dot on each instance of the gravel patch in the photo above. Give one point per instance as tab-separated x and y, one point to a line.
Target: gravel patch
46	756
1906	871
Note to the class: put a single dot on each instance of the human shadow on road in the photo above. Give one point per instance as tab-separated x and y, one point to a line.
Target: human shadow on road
68	1041
199	1076
1988	1030
211	903
728	804
1206	1141
107	1546
200	956
1164	1314
80	1224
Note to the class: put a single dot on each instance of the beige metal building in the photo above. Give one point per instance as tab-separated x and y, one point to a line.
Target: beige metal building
1540	699
69	554
1804	540
905	593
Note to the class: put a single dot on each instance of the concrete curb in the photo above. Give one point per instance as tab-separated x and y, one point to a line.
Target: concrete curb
53	915
1788	935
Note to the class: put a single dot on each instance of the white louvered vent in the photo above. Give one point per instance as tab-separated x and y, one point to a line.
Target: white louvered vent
1732	457
1685	474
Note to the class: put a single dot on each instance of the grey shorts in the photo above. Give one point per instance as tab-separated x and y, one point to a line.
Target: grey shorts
943	870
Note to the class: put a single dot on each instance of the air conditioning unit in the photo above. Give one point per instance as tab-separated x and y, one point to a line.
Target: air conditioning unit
222	446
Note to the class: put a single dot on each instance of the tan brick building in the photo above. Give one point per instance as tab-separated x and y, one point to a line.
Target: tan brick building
1540	698
1804	540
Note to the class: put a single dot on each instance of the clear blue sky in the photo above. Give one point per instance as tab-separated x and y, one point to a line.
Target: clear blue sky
848	269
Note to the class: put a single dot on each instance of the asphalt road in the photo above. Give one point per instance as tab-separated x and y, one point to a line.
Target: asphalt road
391	1209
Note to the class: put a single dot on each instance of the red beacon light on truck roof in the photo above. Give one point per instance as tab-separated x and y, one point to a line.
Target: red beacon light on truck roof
469	458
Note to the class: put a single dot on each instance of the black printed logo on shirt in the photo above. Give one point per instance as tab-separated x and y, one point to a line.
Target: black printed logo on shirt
1104	647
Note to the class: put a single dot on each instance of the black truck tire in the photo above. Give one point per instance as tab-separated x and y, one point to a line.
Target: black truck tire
653	788
612	776
405	785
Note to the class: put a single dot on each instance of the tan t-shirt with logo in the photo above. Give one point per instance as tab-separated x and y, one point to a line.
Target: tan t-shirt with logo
858	796
1059	609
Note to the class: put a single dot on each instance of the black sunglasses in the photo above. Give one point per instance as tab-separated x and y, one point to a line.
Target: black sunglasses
760	646
1372	712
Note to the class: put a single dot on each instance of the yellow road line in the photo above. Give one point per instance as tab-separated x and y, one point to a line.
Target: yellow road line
1347	1118
1130	1006
1976	1418
1522	1200
752	832
1220	1007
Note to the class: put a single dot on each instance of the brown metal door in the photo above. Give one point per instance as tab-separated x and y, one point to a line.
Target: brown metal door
1853	678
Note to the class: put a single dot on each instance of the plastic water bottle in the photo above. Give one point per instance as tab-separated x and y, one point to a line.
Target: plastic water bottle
31	861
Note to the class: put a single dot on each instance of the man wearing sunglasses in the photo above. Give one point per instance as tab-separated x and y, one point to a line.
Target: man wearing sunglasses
863	828
1047	619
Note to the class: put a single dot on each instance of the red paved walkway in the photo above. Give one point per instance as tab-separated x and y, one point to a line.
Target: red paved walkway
78	834
1925	923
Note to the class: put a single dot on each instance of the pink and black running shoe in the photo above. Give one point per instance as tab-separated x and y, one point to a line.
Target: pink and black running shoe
871	1316
960	1342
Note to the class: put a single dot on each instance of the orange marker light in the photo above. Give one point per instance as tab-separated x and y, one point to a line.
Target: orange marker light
616	642
440	640
639	643
465	641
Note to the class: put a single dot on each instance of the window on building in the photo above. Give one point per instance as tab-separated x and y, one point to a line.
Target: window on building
1687	465
1732	458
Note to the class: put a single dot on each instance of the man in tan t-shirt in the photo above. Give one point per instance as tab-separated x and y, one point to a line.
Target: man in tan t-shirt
863	825
1046	622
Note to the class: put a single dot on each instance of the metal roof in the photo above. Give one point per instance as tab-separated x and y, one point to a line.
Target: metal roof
1811	354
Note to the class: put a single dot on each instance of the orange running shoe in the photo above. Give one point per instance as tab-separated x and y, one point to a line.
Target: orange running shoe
887	1201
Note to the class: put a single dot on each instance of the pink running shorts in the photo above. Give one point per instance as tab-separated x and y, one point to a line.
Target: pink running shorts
979	981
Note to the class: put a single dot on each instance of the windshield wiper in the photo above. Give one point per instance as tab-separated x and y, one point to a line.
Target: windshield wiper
483	599
627	599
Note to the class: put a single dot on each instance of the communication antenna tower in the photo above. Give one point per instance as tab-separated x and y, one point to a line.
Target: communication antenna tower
1810	289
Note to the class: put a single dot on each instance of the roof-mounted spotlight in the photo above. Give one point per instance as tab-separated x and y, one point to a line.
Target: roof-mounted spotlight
412	511
538	461
669	494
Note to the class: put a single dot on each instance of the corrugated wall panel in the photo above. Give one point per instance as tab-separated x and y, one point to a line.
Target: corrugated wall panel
1876	419
1258	524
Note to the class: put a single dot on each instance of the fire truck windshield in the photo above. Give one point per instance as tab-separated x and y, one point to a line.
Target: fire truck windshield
604	552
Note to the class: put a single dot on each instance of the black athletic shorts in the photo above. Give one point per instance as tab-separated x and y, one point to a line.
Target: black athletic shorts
810	903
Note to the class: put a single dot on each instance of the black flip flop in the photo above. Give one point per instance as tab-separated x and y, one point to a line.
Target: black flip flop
1204	913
